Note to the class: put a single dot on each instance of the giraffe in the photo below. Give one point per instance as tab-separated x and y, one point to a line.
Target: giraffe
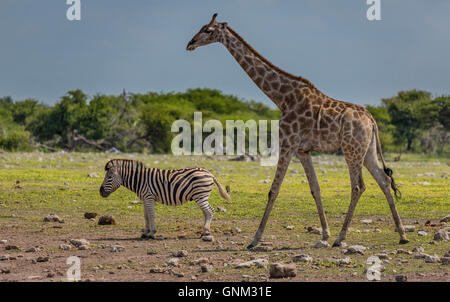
311	121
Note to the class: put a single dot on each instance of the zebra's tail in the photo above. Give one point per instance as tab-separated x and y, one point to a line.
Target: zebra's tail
222	191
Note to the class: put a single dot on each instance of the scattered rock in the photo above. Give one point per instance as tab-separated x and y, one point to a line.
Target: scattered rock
402	251
4	257
31	250
106	220
116	248
12	247
261	263
383	256
420	255
181	253
445	219
366	221
157	270
173	262
355	249
418	249
5	271
81	244
290	227
265	181
53	218
65	247
89	215
205	268
302	258
343	261
401	278
42	259
208	238
93	175
199	261
321	244
429	174
445	260
441	235
237	230
149	252
410	228
314	230
432	259
422	233
278	270
3	241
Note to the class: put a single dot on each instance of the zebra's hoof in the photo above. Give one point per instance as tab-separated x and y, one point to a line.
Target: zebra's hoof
403	241
337	244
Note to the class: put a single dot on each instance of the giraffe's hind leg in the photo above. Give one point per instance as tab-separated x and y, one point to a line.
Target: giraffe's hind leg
384	181
208	212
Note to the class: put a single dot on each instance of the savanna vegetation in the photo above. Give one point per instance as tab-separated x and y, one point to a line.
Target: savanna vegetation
411	121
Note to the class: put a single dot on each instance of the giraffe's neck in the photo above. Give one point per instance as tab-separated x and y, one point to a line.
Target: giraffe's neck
277	84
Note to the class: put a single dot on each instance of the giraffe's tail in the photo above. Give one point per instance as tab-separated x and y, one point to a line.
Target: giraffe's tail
222	191
387	170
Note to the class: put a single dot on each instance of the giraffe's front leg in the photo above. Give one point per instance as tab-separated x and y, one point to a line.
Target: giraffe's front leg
149	215
283	163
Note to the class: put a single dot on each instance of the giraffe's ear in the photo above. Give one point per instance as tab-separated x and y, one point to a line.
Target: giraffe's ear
224	25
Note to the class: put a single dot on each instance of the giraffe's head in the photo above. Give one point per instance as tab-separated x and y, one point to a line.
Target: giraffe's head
209	33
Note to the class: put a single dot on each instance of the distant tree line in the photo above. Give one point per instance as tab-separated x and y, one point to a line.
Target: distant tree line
412	121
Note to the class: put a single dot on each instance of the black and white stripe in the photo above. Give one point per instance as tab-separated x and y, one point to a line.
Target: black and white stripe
169	187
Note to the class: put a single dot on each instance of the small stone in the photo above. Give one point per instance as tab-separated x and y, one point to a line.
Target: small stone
78	243
134	202
237	230
290	227
355	249
383	256
445	219
260	262
89	215
31	250
12	247
53	218
181	253
422	233
205	268
410	228
4	257
432	259
418	249
321	244
314	230
149	252
3	241
5	271
42	259
208	238
420	256
343	261
366	221
106	220
157	270
445	260
64	247
402	251
278	270
401	278
51	275
302	258
116	248
441	235
93	175
178	274
172	262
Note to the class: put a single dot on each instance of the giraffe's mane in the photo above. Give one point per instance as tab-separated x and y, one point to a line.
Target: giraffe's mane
257	54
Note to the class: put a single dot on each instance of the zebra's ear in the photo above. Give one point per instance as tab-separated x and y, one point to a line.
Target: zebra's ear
108	166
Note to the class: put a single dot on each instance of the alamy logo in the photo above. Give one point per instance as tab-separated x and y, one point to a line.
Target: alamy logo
374	11
213	144
74	11
74	271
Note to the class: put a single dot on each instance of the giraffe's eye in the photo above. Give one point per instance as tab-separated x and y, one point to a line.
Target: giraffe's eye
208	31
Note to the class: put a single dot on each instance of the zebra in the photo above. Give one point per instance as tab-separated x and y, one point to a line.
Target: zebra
169	187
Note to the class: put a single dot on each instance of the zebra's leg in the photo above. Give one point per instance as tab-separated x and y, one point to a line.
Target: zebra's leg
149	210
208	212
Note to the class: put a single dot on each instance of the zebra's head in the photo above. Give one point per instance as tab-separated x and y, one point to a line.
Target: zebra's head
113	179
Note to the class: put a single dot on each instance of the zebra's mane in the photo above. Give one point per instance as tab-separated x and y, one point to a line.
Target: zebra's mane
120	162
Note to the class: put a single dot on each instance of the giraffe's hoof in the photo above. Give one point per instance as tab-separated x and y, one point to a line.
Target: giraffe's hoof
147	236
338	244
403	241
250	246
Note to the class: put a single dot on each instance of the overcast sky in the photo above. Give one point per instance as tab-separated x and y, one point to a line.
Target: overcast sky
140	46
